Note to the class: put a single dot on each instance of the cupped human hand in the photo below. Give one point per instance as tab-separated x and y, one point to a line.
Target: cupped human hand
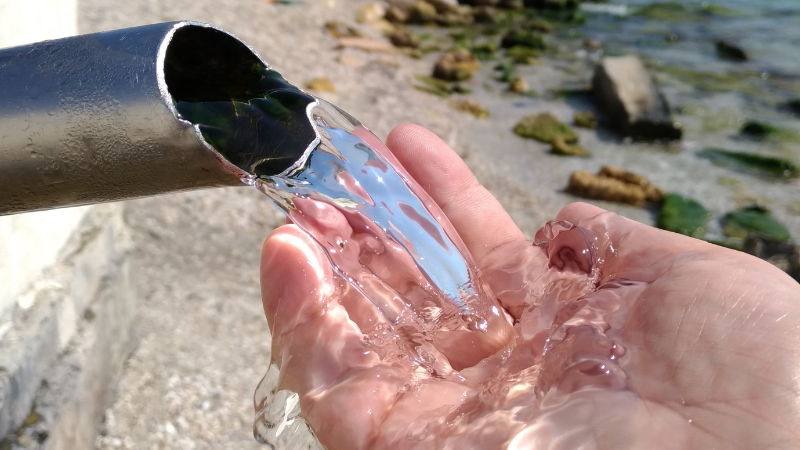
626	336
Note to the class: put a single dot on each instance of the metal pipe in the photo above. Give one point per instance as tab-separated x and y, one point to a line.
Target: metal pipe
93	118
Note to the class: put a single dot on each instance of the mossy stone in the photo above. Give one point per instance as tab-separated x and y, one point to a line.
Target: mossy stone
433	86
731	52
540	25
752	162
523	55
680	11
585	119
470	107
484	51
756	220
524	38
508	71
683	215
457	65
793	105
545	127
762	131
560	147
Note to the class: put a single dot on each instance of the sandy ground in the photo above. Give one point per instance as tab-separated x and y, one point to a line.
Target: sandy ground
205	343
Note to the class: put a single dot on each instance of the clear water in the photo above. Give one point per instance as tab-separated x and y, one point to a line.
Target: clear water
386	237
566	353
391	242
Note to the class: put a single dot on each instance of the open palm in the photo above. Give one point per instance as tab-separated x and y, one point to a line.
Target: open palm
627	336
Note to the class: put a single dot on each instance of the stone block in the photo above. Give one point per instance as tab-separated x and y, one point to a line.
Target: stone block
68	339
628	96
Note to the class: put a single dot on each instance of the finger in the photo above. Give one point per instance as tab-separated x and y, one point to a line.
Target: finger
638	251
476	215
318	348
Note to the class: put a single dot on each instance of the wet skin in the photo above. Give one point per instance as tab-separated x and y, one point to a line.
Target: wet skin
710	338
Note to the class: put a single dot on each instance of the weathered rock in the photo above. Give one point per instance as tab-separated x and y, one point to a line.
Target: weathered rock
471	107
518	85
540	25
446	6
545	127
457	65
323	84
422	12
367	45
592	44
523	55
615	185
726	50
398	12
523	38
404	38
585	119
486	14
552	4
627	94
340	29
382	25
512	4
759	130
782	254
371	12
793	105
459	19
560	147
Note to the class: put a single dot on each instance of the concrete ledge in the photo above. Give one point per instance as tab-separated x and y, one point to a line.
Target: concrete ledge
68	339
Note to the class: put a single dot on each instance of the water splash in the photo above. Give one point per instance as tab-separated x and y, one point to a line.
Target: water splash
386	237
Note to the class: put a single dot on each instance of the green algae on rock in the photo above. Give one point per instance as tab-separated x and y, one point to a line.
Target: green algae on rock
484	51
518	85
404	38
470	107
457	65
793	105
726	50
585	119
681	11
508	71
433	86
561	148
523	55
540	25
683	215
545	127
754	220
761	131
524	38
752	162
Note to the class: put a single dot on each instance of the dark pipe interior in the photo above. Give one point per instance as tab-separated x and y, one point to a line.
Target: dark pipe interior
203	64
246	111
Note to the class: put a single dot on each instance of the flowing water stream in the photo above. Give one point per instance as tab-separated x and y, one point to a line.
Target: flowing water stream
442	324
